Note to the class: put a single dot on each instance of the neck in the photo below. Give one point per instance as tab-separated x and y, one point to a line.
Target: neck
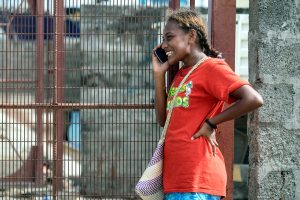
193	59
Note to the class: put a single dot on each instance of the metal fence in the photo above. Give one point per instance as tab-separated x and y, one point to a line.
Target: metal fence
76	113
77	116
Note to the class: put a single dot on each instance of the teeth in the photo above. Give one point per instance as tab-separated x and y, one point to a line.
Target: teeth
169	53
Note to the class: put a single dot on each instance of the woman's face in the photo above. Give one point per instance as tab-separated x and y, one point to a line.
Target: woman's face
175	43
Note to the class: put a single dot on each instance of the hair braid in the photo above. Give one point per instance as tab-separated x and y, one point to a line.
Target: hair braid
190	19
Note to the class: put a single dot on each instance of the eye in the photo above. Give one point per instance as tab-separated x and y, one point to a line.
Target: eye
169	37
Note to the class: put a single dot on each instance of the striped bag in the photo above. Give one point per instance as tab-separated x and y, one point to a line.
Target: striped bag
150	185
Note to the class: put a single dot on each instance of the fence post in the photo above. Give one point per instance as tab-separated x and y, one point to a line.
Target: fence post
58	95
39	97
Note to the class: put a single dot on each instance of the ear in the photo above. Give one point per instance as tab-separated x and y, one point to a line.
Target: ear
192	36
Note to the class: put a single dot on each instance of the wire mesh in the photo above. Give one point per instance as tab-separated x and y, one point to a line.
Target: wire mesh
77	118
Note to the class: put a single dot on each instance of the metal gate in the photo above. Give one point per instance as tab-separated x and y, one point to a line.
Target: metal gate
76	109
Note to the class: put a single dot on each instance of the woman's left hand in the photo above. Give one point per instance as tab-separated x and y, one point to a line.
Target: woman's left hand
210	134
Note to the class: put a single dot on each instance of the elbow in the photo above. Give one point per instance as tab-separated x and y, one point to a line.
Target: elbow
161	123
257	101
160	116
161	120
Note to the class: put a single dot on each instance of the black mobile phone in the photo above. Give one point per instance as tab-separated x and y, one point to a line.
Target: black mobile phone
161	55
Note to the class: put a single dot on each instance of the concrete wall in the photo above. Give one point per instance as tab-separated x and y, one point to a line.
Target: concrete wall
274	70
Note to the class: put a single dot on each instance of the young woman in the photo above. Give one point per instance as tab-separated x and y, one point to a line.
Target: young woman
193	164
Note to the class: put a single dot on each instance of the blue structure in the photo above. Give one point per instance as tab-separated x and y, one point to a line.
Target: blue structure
74	130
183	3
154	2
25	27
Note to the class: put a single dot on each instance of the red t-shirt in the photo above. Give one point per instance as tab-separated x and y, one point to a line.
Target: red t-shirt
189	165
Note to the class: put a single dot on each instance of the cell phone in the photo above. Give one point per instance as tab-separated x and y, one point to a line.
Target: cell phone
161	55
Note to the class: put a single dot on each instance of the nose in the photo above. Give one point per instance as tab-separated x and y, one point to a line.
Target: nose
164	45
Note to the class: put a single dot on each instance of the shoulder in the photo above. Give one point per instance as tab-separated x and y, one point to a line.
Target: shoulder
216	64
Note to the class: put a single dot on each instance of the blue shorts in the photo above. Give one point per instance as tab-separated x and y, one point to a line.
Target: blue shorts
190	196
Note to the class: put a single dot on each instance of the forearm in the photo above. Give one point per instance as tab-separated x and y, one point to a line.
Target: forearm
238	109
160	99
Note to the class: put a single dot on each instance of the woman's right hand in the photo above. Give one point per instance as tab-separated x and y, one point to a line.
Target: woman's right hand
159	71
158	67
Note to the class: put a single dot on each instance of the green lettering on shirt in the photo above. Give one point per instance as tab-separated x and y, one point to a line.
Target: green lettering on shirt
180	101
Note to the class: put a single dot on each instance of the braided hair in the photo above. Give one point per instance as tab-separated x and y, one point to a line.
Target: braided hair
190	20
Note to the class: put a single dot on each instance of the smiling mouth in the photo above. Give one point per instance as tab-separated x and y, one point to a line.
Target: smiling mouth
169	53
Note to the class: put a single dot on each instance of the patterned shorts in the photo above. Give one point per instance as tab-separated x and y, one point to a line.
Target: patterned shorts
190	196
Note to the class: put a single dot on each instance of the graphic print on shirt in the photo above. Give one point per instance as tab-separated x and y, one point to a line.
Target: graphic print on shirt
182	100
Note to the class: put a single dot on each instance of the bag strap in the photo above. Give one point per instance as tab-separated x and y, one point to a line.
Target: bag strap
162	137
